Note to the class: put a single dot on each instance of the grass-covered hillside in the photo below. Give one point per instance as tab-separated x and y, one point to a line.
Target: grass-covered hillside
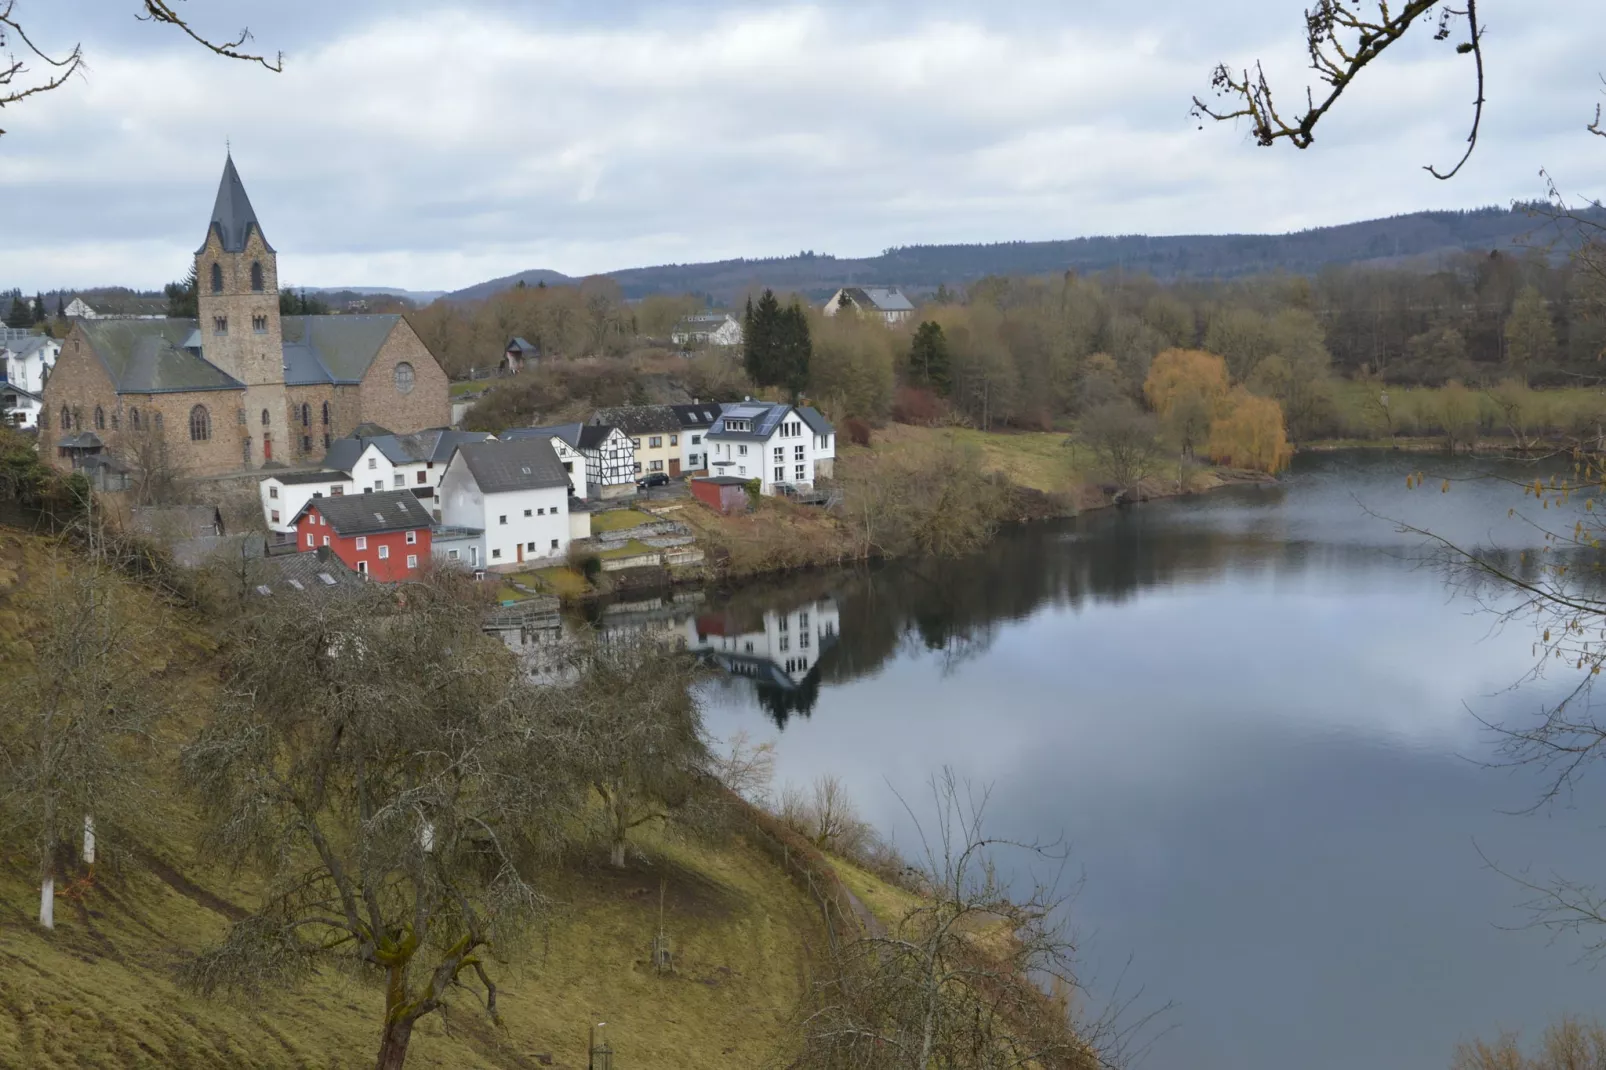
102	989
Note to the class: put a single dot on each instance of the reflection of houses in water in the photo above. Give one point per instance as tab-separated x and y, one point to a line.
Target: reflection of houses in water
545	641
779	651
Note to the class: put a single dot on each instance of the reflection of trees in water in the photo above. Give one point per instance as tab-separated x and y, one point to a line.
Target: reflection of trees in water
781	703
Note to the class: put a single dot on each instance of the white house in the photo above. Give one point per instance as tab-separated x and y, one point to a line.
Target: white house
884	301
515	493
79	310
711	328
285	494
400	462
695	420
25	363
777	444
565	439
781	648
610	459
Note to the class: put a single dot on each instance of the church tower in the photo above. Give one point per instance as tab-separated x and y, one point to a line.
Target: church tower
237	279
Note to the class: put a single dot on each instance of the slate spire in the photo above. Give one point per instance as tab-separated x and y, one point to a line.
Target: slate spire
232	214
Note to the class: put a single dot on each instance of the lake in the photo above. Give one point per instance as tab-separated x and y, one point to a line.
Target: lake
1253	715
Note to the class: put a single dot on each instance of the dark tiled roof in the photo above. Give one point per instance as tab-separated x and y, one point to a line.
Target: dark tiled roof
315	572
698	415
27	345
232	215
878	298
332	349
520	345
148	356
522	464
570	433
592	436
817	423
372	514
291	479
638	419
437	444
763	417
81	440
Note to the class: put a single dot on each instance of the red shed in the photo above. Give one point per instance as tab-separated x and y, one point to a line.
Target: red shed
384	535
723	494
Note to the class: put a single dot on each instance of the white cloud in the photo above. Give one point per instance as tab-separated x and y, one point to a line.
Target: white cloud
433	148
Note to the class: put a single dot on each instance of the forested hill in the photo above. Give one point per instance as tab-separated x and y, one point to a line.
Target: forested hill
1420	236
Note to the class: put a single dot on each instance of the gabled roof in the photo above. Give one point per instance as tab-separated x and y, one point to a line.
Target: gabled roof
878	298
637	419
148	356
332	349
371	514
435	445
698	415
817	423
569	433
13	388
24	347
521	346
233	218
762	416
291	479
521	464
315	572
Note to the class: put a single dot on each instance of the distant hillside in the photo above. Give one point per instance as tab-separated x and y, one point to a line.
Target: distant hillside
1419	237
532	277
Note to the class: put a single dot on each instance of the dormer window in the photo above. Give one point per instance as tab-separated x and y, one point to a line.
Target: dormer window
217	278
220	325
256	275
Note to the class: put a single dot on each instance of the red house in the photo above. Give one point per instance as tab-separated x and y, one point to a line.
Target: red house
384	535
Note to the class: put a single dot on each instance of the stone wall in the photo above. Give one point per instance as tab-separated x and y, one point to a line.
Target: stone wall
426	405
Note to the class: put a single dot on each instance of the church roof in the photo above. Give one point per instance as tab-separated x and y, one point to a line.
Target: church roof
148	356
332	349
232	214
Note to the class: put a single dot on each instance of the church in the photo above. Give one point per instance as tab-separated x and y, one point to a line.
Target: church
241	386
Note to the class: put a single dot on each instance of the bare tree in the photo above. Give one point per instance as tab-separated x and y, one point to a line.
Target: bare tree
1124	441
68	752
375	758
747	768
633	730
19	80
959	981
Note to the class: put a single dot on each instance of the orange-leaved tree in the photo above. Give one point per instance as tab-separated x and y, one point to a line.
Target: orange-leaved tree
1248	432
1184	388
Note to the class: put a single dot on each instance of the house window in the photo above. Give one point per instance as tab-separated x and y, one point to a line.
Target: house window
264	417
741	469
656	441
526	512
220	325
803	640
696	440
803	619
399	480
638	466
362	568
362	542
100	418
674	440
337	492
554	544
657	466
412	538
422	478
200	424
326	414
529	547
256	277
217	278
780	453
404	378
799	454
259	324
802	470
412	561
501	520
306	415
310	538
451	555
635	443
780	473
785	643
274	518
373	462
691	459
495	554
379	484
326	540
741	451
273	492
384	553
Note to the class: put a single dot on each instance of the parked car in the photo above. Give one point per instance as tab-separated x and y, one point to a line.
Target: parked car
652	479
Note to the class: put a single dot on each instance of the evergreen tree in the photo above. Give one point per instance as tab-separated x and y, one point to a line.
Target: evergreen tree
761	332
183	297
793	351
928	358
39	315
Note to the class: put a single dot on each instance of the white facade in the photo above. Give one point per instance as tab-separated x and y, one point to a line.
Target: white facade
27	363
518	526
717	329
21	408
694	450
611	466
789	644
886	302
792	452
574	463
282	502
79	310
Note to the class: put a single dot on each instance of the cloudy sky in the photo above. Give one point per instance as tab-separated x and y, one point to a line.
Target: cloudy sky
431	145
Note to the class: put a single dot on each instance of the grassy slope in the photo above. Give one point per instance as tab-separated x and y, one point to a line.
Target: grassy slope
100	990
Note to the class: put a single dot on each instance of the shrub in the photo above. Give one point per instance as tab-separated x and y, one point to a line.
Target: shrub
917	406
858	431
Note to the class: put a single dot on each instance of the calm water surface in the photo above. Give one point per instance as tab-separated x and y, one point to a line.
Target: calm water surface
1251	714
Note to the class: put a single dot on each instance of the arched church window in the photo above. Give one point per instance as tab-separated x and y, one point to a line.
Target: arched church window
66	418
326	414
256	275
264	417
200	424
133	418
100	418
217	278
306	415
404	378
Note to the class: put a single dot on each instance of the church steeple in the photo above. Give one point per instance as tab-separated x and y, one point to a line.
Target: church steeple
233	218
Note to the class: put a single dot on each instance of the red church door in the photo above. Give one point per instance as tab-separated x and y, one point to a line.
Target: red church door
267	445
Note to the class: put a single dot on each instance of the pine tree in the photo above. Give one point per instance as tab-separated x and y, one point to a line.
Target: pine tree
793	351
39	315
928	358
761	339
183	298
